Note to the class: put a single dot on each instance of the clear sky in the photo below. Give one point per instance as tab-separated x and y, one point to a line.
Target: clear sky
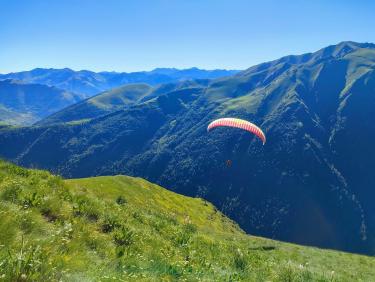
127	35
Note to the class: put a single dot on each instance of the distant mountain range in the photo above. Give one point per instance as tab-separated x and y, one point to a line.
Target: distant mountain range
22	103
27	108
89	83
116	99
311	183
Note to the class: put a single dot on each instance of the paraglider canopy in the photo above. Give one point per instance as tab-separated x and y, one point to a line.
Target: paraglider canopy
238	123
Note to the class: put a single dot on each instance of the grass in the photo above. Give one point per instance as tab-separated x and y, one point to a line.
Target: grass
126	229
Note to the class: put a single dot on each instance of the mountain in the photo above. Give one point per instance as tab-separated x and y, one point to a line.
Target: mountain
22	103
104	103
116	99
311	183
128	229
89	83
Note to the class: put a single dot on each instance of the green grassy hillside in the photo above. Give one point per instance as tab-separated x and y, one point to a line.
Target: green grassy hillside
101	104
114	100
127	229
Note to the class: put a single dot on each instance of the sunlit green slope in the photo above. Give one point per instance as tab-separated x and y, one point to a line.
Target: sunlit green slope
127	229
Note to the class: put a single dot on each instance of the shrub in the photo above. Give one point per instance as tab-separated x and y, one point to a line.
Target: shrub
138	216
121	200
123	236
85	207
31	200
109	223
50	209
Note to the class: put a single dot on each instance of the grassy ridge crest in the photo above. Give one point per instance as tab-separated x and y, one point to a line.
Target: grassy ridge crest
128	229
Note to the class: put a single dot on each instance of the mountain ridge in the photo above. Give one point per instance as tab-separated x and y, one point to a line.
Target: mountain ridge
126	228
89	83
114	100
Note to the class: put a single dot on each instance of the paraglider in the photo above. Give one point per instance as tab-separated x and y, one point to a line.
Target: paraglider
238	123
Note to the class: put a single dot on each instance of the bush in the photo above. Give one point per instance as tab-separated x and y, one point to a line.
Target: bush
123	236
121	200
85	207
109	223
50	209
31	200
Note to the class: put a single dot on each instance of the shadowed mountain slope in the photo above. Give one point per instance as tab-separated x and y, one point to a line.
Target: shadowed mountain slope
22	103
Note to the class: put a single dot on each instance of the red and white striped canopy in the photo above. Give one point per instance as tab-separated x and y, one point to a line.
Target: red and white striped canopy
238	123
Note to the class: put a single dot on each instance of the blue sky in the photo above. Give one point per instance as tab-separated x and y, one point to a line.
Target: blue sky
127	35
